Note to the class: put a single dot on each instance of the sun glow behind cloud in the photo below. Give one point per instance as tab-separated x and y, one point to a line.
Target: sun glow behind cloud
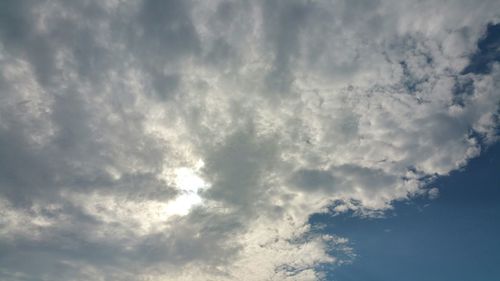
189	183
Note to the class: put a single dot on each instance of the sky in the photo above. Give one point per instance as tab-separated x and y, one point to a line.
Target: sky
450	237
299	140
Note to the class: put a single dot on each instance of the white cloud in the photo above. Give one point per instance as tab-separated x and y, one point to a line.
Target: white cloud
109	107
433	193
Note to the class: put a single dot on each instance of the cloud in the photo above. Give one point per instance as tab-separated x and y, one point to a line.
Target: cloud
283	108
433	193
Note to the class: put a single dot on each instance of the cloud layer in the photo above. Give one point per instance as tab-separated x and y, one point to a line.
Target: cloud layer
277	109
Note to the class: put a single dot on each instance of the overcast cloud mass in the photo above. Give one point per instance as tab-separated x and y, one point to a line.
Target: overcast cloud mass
191	140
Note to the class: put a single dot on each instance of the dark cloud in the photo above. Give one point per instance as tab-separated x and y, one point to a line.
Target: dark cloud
282	25
313	180
236	168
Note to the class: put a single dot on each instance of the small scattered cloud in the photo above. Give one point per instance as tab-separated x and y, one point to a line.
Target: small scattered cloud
433	193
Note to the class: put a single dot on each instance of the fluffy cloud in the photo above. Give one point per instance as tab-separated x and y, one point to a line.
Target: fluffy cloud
276	109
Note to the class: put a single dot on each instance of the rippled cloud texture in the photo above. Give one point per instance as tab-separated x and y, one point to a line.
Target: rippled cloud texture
191	140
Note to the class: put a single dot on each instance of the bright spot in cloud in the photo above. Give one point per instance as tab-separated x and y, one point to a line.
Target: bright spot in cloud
189	183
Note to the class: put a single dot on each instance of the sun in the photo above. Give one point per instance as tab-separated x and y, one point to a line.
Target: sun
188	182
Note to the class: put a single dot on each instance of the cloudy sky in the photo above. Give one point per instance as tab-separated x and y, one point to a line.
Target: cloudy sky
152	140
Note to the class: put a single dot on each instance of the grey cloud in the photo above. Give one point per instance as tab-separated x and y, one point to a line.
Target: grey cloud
201	238
166	30
162	36
18	36
343	178
373	179
313	180
23	173
282	23
237	167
